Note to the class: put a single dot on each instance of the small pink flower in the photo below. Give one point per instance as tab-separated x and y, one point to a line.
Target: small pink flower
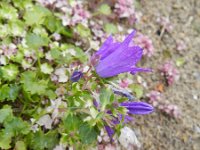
170	72
56	36
146	43
165	22
171	110
79	14
9	50
180	46
124	83
125	9
154	98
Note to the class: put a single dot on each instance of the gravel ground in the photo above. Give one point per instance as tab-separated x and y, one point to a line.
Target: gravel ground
158	131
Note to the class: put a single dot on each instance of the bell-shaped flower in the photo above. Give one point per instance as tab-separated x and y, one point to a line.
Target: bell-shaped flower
118	57
138	108
76	76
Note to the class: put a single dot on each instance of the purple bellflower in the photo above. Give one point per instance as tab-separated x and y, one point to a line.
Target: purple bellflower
76	76
137	108
118	57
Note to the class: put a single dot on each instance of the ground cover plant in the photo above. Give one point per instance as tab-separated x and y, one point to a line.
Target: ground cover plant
79	74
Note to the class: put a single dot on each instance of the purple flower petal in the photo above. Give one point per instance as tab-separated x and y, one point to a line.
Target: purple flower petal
110	131
95	103
123	93
137	107
116	58
140	70
107	48
126	119
76	76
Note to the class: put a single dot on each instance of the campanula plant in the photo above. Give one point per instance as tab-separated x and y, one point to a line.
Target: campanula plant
112	59
49	97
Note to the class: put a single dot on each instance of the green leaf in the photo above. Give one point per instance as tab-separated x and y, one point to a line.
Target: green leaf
138	90
180	62
37	87
46	68
22	4
167	54
51	23
13	92
71	123
36	15
16	126
17	28
12	127
105	9
8	12
83	31
80	54
110	28
9	72
9	92
35	41
51	94
93	112
5	113
20	145
106	97
5	141
28	76
19	57
87	134
4	92
55	53
41	141
33	85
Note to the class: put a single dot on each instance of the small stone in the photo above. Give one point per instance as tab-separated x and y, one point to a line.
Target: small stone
128	138
195	97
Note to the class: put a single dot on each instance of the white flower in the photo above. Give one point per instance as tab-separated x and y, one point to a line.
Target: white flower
56	36
45	121
48	56
26	64
128	138
34	128
46	68
61	73
69	51
59	147
63	78
3	60
54	108
94	44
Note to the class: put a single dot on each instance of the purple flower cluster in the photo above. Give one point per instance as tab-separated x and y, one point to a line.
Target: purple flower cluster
134	108
116	58
112	59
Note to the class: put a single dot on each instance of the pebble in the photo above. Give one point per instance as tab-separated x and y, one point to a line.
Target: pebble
195	97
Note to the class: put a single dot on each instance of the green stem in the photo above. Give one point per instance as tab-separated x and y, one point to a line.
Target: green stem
38	58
